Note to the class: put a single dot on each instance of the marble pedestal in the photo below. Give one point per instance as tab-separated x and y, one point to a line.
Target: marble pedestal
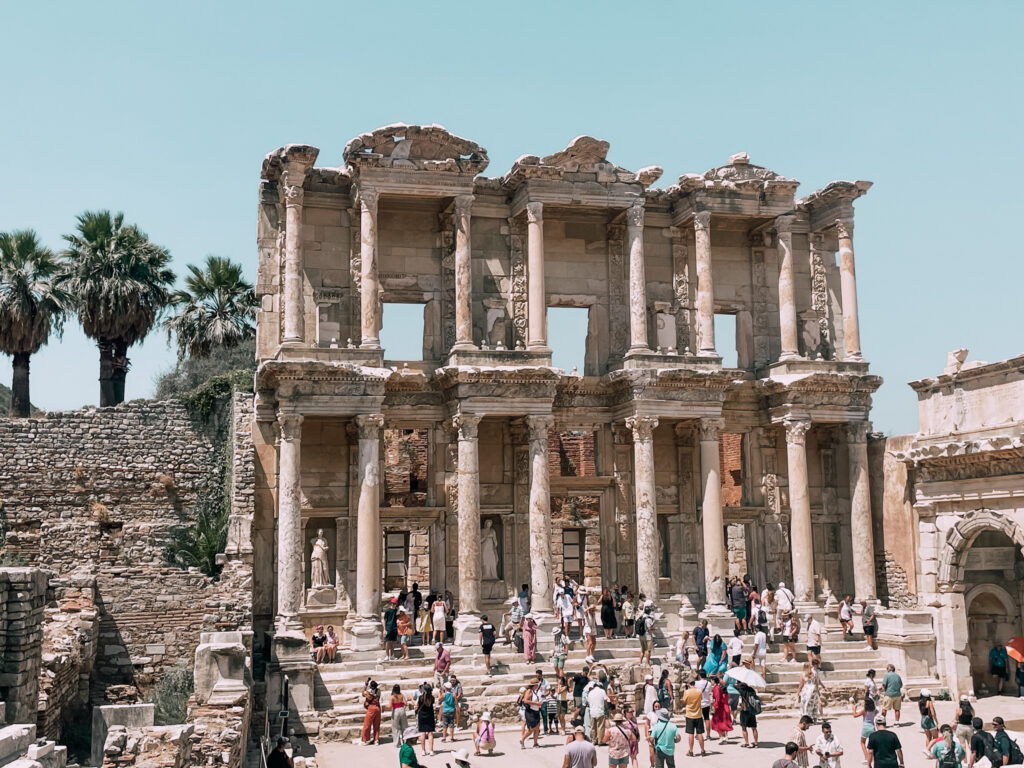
467	629
721	620
290	658
365	633
321	597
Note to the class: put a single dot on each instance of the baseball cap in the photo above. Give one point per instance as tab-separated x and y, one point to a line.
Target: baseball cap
880	720
579	729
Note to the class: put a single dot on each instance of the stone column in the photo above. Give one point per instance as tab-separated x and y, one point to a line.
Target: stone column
463	274
848	281
368	284
366	628
646	504
787	289
289	524
860	511
292	178
800	540
537	331
468	473
716	568
637	279
541	573
705	286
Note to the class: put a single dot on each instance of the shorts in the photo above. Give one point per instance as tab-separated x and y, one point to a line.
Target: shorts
645	643
563	707
706	712
404	639
789	638
577	701
532	717
866	730
694	725
487	647
447	719
815	649
618	760
739	613
629	622
895	703
761	656
391	636
1000	672
869	630
748	719
736	659
927	723
559	661
964	732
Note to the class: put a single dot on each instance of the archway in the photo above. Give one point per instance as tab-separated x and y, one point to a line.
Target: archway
992	614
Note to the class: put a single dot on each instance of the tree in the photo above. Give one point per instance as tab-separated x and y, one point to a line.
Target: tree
31	306
197	543
121	283
217	309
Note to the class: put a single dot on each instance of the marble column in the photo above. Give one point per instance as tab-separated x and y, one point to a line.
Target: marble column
860	511
787	289
292	178
716	567
537	331
646	504
369	543
463	274
468	490
369	308
541	567
705	286
289	523
848	285
637	279
800	540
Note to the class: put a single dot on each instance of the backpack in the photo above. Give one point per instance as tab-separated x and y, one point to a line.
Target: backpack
949	758
754	704
991	748
664	697
641	626
1016	756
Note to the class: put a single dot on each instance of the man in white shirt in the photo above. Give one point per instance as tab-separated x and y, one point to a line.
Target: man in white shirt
735	649
828	748
784	598
597	703
704	686
761	650
813	638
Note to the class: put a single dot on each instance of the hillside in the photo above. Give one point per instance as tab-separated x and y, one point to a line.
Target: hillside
5	402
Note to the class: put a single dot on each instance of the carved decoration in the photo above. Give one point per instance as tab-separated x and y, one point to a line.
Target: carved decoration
702	221
819	296
447	224
355	267
519	290
681	287
290	425
420	147
618	311
369	425
466	425
960	536
796	430
643	427
857	431
709	428
844	229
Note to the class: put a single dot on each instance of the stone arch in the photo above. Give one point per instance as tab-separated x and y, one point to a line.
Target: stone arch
1000	594
960	537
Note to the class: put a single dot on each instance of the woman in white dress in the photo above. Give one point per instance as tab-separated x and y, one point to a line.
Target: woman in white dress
437	611
809	692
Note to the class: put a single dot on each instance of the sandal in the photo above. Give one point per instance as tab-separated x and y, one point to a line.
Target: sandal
689	754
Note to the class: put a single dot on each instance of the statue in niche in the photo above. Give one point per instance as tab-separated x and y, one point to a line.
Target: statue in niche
319	569
489	551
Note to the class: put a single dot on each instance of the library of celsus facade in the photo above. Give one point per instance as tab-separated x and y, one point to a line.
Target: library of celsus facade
480	467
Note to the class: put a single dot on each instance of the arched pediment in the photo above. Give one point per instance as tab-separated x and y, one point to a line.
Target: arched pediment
960	537
416	147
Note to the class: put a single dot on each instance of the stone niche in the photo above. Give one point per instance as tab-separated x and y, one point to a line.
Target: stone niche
324	596
576	538
405	467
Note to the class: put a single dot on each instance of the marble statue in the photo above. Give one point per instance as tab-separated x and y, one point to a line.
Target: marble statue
319	570
489	550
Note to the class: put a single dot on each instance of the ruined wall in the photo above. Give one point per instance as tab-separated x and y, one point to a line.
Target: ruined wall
894	522
22	596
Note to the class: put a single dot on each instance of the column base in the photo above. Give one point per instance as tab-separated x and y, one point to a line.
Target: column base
543	349
467	629
290	659
370	345
789	356
545	623
688	613
721	620
634	351
464	346
365	633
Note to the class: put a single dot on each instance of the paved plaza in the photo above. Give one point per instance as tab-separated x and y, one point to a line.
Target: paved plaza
774	732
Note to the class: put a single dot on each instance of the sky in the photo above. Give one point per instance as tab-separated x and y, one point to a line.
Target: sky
165	111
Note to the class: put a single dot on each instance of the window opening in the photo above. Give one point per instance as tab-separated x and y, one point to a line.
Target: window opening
567	337
725	339
401	331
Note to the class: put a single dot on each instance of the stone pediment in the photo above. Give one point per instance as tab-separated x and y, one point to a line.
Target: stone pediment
738	175
584	160
416	147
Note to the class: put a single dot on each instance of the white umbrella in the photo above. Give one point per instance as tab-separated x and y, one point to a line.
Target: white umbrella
747	676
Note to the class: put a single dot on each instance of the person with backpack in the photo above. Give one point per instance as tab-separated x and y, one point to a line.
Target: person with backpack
1008	746
929	720
983	744
644	626
964	717
750	708
946	751
447	713
665	696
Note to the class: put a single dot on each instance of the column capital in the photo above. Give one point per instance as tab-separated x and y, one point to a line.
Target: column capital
702	220
684	434
796	430
844	228
539	426
293	193
290	425
535	212
857	431
635	213
642	426
709	429
368	425
464	204
368	199
784	224
466	424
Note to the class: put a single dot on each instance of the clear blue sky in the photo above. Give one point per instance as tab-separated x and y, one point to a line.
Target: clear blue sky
165	110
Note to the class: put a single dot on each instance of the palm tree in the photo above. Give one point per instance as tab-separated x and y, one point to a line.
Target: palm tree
120	283
216	309
30	306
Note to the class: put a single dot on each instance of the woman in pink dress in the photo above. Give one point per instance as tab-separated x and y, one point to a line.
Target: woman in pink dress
721	720
529	638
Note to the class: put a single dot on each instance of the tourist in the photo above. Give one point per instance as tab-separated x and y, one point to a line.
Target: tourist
579	753
828	748
589	635
414	600
529	638
738	603
389	627
650	695
447	713
407	751
682	655
562	688
597	705
787	761
869	623
438	612
404	631
580	608
784	599
754	614
808	692
946	751
460	703
630	723
929	720
331	643
426	720
461	758
423	623
721	720
486	641
664	737
579	683
629	616
884	748
964	718
665	694
983	744
790	635
550	710
449	616
561	649
371	720
531	715
998	665
512	621
866	711
645	632
735	648
1018	677
399	717
279	757
566	607
845	613
524	598
701	635
870	686
485	735
892	692
694	713
706	688
1007	745
716	662
608	621
750	707
761	649
620	740
318	643
814	630
768	605
442	665
799	737
543	691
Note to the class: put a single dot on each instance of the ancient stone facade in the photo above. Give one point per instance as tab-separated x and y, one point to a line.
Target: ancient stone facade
407	217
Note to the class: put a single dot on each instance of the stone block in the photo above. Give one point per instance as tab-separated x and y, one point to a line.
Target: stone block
106	717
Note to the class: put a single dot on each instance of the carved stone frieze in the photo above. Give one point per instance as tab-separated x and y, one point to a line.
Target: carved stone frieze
519	290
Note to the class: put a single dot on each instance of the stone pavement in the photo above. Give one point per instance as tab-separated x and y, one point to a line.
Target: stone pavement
773	732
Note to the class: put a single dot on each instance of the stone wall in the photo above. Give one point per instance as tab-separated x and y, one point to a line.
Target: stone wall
730	454
22	596
894	522
572	453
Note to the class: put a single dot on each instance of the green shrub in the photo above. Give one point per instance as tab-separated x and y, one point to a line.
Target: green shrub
171	694
197	543
191	373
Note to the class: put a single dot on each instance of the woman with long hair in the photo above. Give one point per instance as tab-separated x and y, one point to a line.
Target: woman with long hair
866	711
808	692
721	720
608	621
529	638
929	720
715	663
399	717
947	751
531	715
665	694
426	719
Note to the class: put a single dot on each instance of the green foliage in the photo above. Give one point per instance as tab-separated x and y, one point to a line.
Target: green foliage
192	372
171	694
197	543
30	305
206	398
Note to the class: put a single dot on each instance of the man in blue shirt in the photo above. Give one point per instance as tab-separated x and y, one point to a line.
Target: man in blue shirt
664	736
998	665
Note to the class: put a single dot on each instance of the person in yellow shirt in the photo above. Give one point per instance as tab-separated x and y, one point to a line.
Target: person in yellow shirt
694	718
